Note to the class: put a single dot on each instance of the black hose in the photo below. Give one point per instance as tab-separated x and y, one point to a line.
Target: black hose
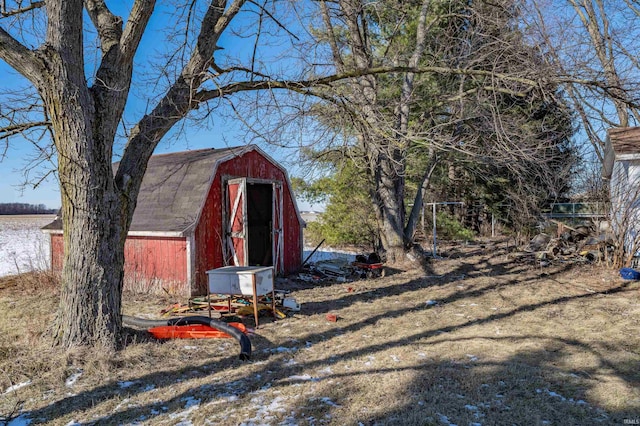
245	343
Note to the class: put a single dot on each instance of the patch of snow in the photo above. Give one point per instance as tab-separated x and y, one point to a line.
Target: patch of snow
303	378
326	370
280	349
471	407
123	403
74	423
472	358
224	398
17	386
431	303
190	401
444	419
191	404
238	384
127	384
264	414
395	358
556	395
329	401
290	420
72	379
562	398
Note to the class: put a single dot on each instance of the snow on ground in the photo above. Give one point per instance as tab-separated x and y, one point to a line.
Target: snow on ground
23	246
324	253
17	386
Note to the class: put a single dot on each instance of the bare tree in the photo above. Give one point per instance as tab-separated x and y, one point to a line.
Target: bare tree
82	91
589	41
461	80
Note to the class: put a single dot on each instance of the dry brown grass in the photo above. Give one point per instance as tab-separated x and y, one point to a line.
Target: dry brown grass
476	338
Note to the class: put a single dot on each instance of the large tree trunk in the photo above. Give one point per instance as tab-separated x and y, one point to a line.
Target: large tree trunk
89	310
94	227
384	150
416	209
94	230
388	198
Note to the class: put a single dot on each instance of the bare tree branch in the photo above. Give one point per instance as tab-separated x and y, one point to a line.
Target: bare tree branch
109	26
8	131
135	26
179	99
20	58
33	5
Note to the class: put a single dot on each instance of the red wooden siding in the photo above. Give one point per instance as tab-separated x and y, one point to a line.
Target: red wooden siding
151	263
209	231
57	252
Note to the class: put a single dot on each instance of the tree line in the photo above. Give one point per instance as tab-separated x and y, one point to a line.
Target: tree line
24	208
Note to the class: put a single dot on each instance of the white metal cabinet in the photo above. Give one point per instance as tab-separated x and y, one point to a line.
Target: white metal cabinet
251	281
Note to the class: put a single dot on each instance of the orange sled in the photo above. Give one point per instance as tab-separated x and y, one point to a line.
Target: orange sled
194	331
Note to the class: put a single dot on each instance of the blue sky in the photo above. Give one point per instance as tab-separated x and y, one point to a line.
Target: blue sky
224	132
47	192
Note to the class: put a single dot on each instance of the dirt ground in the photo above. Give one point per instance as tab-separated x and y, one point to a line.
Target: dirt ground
478	337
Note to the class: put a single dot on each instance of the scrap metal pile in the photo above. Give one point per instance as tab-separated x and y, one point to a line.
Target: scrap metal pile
223	306
342	270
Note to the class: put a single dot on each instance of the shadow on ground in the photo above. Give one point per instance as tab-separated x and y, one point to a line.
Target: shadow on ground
534	385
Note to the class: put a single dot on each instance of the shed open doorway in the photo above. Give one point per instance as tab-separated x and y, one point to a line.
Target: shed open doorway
260	223
254	223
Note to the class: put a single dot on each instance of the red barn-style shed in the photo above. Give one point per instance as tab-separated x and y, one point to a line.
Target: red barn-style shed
204	209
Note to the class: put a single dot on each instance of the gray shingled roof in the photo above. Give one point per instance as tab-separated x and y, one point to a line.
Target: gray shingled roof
622	144
173	189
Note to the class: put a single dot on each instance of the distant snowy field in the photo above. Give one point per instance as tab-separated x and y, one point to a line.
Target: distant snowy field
23	247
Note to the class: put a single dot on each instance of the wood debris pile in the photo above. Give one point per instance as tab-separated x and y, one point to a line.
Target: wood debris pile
581	244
